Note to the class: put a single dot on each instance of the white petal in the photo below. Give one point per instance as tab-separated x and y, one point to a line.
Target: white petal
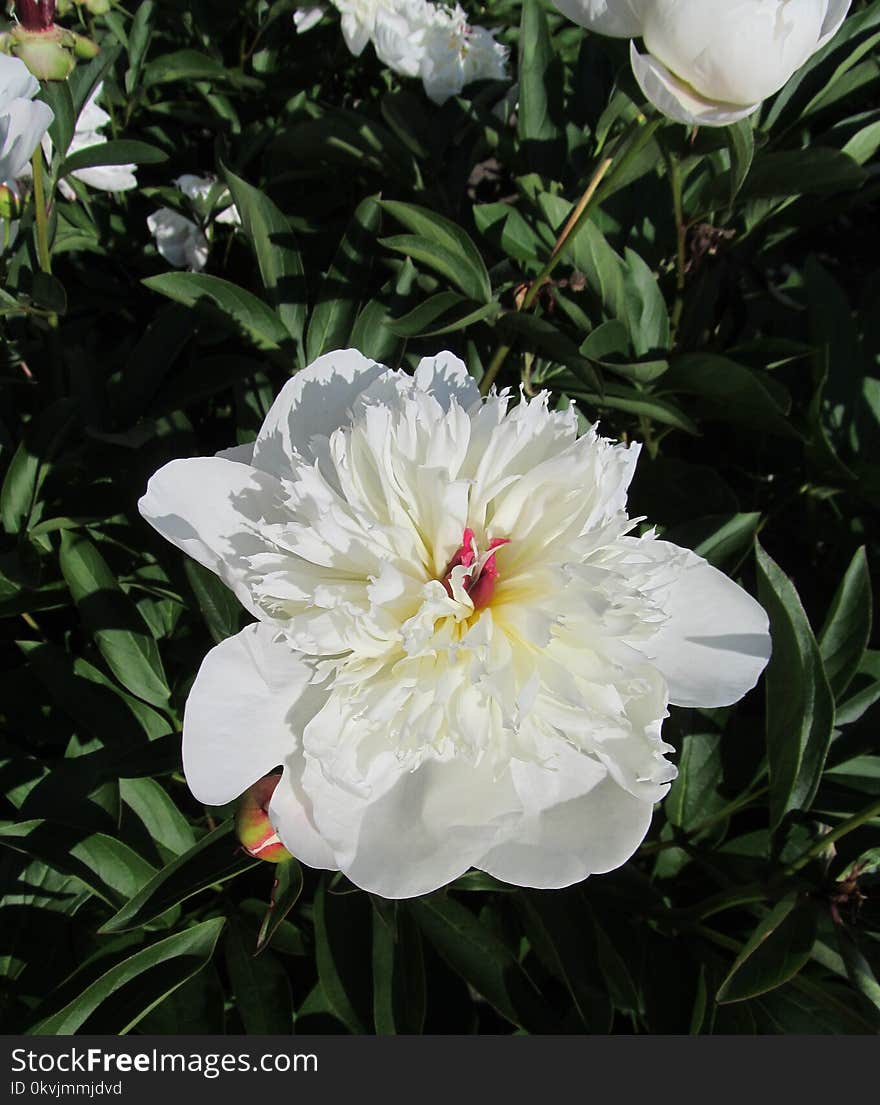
314	403
680	102
414	831
716	643
616	18
446	377
245	713
290	812
24	123
835	15
577	822
243	454
210	507
16	81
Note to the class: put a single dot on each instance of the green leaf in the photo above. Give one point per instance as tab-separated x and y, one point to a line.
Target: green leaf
443	245
216	858
398	971
847	628
559	927
105	865
161	818
138	984
277	253
800	706
730	392
340	968
775	952
257	320
694	795
220	608
260	985
112	153
113	620
618	397
184	65
814	171
476	954
858	968
285	894
741	143
544	337
58	96
540	91
340	291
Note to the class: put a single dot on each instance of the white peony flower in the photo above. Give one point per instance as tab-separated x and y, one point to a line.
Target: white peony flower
107	178
198	188
358	22
181	241
712	62
399	34
178	239
306	18
23	120
461	654
457	53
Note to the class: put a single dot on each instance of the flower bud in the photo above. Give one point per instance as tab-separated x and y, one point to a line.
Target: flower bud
252	824
43	53
10	202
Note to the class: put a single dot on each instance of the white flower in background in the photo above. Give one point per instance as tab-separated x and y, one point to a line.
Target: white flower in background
183	242
457	53
713	62
306	18
23	120
461	654
358	22
179	240
199	188
399	34
107	178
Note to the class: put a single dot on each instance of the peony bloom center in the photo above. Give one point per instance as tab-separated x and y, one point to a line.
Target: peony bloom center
481	573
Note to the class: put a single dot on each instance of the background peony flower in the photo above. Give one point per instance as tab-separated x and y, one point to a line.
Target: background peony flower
178	239
712	62
107	178
198	188
399	34
304	19
358	22
457	53
461	655
23	120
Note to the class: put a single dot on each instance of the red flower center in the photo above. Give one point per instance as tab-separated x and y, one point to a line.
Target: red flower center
480	582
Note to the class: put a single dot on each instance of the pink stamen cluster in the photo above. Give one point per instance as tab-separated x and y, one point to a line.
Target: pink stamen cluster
480	583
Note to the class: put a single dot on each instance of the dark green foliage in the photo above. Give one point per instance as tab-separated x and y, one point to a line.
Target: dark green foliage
749	366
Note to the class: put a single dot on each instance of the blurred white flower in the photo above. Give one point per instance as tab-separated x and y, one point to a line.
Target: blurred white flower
461	656
457	53
183	242
23	120
178	239
399	34
108	178
713	62
358	22
306	18
199	188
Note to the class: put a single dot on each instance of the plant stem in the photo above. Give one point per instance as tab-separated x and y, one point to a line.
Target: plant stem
851	823
581	213
674	169
40	213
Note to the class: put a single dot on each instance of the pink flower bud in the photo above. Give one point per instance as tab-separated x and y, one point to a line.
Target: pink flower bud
252	824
